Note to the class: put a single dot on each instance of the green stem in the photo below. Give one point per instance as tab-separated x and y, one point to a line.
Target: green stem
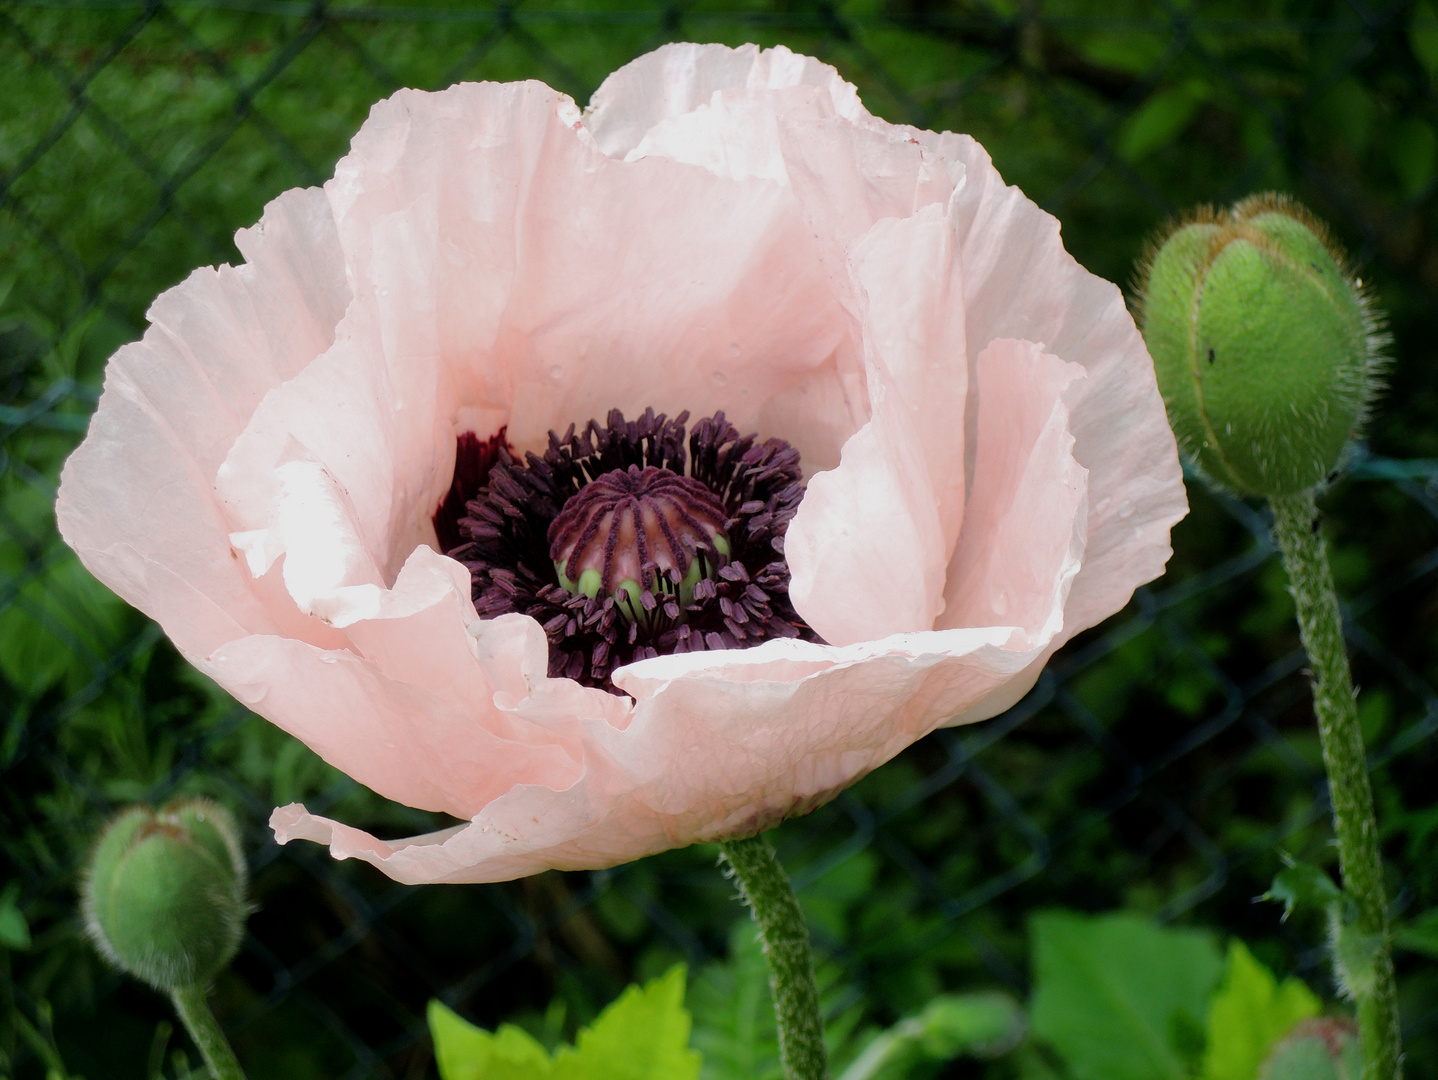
766	889
1354	823
194	1009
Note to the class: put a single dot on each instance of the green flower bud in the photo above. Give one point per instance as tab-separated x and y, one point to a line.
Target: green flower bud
1266	348
164	894
1322	1049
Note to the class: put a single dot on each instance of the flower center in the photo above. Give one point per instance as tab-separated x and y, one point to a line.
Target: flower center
633	530
629	539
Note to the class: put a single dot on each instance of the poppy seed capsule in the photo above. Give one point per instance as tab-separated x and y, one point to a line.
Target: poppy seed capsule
1265	348
634	529
164	894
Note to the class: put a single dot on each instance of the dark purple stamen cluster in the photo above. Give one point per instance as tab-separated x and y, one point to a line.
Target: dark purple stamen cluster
508	552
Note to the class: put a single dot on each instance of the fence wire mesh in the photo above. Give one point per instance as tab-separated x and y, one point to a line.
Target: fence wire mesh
1160	763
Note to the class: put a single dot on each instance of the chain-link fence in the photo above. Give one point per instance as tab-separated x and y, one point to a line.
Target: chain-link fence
1159	764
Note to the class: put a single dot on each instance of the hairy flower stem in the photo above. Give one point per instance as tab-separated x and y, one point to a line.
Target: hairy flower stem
1354	824
766	889
205	1030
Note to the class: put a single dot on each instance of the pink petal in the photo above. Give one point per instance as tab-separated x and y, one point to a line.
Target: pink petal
135	499
1026	522
385	441
721	744
604	284
865	550
681	77
1020	283
868	547
910	280
412	711
746	113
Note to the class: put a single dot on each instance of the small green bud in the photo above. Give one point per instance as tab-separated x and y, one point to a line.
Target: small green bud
164	894
1323	1049
986	1024
1266	348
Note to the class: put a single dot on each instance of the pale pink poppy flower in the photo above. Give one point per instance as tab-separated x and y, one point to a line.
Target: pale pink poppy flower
989	470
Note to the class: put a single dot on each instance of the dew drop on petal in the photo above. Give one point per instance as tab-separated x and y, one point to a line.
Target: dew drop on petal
720	378
1125	509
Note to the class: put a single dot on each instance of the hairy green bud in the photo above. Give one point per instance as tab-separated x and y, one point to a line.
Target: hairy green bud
164	893
1322	1049
1266	348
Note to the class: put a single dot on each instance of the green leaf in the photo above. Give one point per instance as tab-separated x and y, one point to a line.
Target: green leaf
465	1052
1249	1014
1423	36
1124	49
14	930
984	1025
1415	154
1160	120
734	1013
1421	935
1031	1064
1348	113
1115	995
1303	886
62	624
643	1035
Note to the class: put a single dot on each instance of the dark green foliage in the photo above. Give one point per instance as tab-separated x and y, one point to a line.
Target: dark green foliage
1420	936
1158	765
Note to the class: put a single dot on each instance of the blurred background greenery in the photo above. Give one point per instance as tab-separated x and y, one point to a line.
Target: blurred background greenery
1160	765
